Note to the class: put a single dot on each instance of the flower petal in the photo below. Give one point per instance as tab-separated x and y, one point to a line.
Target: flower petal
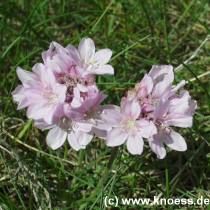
25	77
84	138
19	96
86	49
111	116
39	111
160	72
163	77
175	141
131	108
74	53
82	88
77	100
35	112
42	125
182	121
161	89
104	69
83	126
135	144
161	109
180	104
145	86
74	141
103	56
53	50
116	137
146	128
192	107
56	137
60	91
100	132
157	146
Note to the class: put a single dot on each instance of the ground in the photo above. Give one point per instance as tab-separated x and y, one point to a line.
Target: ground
140	33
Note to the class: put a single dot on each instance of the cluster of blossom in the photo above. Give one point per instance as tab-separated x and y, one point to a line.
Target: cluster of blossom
61	95
149	111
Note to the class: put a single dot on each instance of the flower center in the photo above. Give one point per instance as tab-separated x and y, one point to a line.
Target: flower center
51	97
148	104
71	81
129	125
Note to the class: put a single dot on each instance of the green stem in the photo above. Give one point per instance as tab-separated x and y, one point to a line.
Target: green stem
25	128
112	157
108	168
106	172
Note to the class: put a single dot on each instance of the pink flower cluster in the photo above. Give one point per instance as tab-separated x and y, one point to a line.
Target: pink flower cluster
61	95
149	111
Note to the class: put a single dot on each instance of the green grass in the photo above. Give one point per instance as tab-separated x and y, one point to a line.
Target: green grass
140	33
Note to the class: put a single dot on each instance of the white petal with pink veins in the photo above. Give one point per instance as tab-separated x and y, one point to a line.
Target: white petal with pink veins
182	121
175	141
135	144
19	97
162	72
103	56
84	138
116	137
104	69
56	138
82	88
145	86
83	126
111	116
146	128
131	109
86	49
25	77
157	146
74	141
77	100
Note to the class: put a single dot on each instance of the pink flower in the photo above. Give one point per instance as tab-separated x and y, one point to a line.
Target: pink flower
64	64
127	127
40	93
90	62
163	106
61	96
178	111
154	87
78	131
162	103
162	77
78	134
